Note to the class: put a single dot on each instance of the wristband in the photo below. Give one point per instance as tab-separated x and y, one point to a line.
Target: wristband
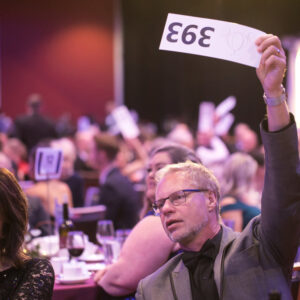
276	100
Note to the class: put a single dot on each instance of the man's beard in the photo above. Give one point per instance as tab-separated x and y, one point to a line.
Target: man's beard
187	236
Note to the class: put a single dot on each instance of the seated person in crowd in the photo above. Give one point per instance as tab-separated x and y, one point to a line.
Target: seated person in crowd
219	263
50	191
17	153
245	139
38	217
237	183
20	276
116	191
68	174
84	142
181	134
136	261
211	149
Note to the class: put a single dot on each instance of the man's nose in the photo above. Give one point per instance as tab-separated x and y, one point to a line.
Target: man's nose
167	208
151	174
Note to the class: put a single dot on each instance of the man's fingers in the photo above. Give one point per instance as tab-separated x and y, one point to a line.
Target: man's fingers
272	60
272	51
262	38
266	41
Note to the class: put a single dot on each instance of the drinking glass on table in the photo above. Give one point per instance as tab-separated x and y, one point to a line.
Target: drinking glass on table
106	238
121	235
75	243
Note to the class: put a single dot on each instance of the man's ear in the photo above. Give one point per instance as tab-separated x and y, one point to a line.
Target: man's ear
212	201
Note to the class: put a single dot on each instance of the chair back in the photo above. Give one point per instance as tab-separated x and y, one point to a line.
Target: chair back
86	218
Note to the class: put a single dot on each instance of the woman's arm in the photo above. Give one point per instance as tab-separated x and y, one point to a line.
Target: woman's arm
145	250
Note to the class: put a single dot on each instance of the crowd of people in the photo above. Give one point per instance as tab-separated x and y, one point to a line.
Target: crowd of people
119	165
178	194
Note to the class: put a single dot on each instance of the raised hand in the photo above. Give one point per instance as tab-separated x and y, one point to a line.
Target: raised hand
272	64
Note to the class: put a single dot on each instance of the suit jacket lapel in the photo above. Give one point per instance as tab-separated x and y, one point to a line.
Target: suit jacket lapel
227	237
180	281
180	278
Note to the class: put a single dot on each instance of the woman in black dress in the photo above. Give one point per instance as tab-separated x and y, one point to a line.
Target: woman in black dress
20	276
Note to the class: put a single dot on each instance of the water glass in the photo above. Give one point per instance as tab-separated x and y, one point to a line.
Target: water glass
106	238
121	235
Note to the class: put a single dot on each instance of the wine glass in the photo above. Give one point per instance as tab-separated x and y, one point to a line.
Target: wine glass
106	236
75	243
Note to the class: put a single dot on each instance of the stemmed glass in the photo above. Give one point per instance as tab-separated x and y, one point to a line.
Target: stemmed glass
75	243
106	236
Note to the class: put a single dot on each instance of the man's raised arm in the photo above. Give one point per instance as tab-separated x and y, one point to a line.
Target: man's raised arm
270	73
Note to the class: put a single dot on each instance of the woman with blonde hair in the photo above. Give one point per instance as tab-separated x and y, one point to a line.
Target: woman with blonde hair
239	202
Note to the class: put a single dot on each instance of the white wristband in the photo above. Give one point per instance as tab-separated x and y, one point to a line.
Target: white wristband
277	100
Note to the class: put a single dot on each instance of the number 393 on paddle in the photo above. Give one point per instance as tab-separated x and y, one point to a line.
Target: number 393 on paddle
212	38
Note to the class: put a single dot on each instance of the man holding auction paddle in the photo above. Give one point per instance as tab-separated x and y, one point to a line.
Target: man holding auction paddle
216	262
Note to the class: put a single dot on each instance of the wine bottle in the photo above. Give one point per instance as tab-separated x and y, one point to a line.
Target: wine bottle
274	295
66	226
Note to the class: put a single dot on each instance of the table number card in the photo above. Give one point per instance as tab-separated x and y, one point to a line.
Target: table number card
48	163
212	38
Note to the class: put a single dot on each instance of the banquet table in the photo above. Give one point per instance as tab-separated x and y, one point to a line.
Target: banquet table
88	290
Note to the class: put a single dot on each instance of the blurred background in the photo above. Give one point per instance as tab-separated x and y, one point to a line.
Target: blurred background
80	55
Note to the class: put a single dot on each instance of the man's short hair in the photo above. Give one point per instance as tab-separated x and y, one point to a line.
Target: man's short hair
108	143
199	176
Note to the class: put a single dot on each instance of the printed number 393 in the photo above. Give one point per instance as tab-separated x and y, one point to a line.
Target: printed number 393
188	36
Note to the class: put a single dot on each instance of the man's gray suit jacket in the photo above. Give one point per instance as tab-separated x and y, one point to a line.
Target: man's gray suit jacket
252	263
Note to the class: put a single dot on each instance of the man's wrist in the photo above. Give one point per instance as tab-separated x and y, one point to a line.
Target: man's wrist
277	100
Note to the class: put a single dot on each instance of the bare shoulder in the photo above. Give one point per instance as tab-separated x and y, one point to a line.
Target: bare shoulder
147	233
147	227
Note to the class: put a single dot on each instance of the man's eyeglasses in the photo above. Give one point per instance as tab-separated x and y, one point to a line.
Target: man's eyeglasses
176	198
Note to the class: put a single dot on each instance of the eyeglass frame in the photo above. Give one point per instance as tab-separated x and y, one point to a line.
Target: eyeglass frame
157	208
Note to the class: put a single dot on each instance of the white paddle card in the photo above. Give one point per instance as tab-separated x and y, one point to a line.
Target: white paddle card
125	122
225	106
206	116
212	38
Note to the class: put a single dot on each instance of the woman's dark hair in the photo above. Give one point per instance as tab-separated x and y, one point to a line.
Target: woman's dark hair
177	153
14	217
